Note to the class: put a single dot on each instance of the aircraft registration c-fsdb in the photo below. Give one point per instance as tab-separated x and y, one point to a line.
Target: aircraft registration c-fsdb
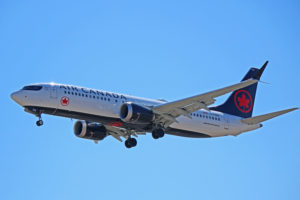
101	114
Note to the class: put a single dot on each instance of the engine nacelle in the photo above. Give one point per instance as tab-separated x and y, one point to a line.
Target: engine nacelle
136	114
88	130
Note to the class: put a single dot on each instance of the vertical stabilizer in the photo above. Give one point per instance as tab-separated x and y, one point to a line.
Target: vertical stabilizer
241	102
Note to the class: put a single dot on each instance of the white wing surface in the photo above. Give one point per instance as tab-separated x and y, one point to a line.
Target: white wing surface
168	112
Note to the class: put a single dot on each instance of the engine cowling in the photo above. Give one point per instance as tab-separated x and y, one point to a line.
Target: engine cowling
136	114
93	131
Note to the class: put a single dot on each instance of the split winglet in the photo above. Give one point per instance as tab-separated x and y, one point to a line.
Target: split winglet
260	71
265	117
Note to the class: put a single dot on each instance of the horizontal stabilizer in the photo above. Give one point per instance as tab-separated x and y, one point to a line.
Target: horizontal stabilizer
262	118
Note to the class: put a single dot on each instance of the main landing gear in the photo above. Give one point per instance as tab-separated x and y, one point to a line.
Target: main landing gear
158	133
130	142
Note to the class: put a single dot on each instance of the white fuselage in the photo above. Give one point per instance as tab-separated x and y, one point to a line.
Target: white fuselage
107	104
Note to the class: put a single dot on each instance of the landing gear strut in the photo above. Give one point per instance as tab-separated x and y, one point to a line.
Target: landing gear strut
40	121
158	133
130	142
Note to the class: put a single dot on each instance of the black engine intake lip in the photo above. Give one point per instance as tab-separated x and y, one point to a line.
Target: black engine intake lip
136	114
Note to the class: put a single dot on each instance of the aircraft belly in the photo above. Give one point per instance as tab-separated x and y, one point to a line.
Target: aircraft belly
93	107
209	128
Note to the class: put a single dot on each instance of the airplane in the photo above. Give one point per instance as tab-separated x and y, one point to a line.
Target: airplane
101	113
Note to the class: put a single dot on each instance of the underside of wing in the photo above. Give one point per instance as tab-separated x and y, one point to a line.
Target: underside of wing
118	132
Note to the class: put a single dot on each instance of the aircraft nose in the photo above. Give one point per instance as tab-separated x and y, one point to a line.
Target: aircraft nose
16	97
13	96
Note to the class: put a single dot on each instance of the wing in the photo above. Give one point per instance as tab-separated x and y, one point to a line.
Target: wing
118	132
168	112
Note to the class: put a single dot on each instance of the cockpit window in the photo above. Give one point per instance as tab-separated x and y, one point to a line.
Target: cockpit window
32	87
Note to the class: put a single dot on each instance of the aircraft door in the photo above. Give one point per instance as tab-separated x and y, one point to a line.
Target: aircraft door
53	92
226	123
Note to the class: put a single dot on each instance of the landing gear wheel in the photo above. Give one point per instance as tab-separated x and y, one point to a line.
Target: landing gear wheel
39	122
127	145
158	133
155	135
130	142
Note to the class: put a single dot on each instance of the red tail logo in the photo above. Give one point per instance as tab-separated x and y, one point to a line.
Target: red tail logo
243	101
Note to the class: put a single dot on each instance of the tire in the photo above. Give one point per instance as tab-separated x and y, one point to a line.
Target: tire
158	133
155	134
39	122
133	142
127	144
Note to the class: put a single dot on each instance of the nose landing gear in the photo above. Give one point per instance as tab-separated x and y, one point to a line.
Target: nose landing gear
40	121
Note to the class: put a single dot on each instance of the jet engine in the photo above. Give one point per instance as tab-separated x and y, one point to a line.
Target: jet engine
93	131
136	114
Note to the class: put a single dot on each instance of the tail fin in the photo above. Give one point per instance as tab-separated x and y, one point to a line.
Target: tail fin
241	102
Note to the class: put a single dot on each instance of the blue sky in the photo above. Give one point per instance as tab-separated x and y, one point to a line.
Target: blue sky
154	49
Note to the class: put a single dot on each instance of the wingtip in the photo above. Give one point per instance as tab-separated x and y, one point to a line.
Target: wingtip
261	70
266	62
292	109
264	66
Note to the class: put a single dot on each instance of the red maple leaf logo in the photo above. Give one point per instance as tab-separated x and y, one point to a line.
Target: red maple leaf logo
64	101
243	102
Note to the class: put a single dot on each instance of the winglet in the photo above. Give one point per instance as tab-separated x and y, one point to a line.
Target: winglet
260	71
262	118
